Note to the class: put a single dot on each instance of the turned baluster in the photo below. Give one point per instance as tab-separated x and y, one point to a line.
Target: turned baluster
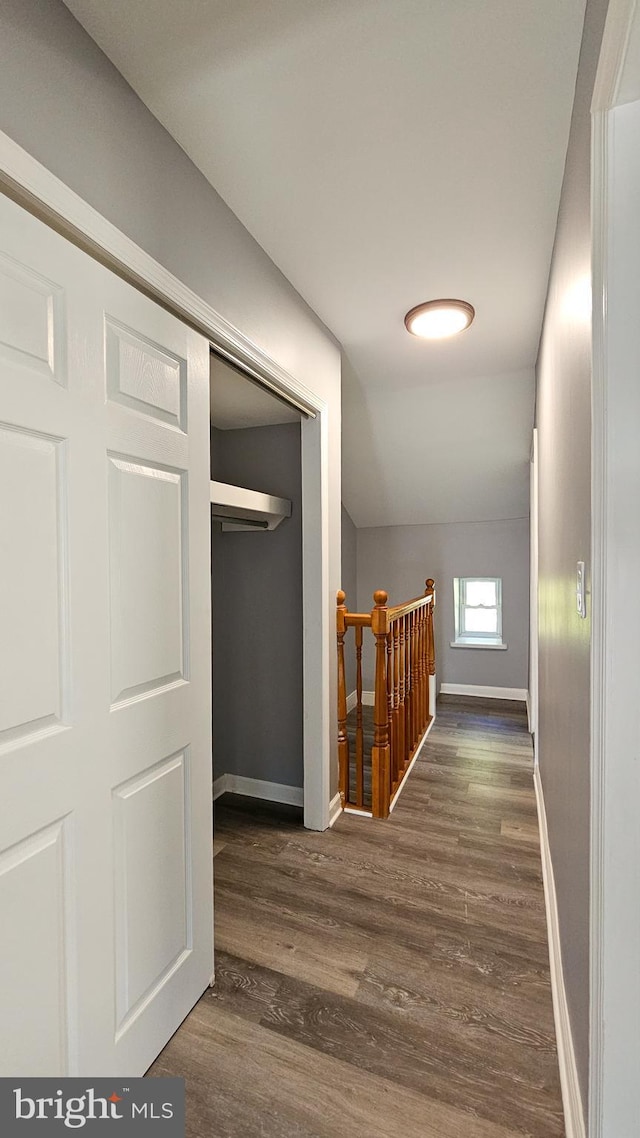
425	659
396	700
380	753
419	675
359	724
390	707
343	740
424	676
410	695
401	705
407	706
415	667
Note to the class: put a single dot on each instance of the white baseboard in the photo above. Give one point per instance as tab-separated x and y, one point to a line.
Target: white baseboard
258	788
484	692
335	809
571	1097
219	786
368	699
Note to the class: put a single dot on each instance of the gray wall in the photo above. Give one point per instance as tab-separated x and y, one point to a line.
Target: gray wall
64	102
564	442
350	587
400	558
257	614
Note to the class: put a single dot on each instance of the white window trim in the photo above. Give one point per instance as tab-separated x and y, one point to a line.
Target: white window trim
476	639
494	645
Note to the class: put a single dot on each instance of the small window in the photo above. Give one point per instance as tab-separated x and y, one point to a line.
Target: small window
478	612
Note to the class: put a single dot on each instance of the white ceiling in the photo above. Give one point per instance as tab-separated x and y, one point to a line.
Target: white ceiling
236	402
384	152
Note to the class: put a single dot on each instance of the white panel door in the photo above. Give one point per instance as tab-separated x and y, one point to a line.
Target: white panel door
105	690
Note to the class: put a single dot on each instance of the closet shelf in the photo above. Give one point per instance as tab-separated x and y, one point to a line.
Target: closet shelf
241	509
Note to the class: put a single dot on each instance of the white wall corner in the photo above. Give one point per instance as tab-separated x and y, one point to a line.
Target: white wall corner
569	1081
258	788
220	786
433	695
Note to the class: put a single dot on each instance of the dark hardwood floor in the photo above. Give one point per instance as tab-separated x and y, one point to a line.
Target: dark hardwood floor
386	979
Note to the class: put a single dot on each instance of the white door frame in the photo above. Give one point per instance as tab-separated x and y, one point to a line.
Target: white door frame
33	186
532	700
614	1098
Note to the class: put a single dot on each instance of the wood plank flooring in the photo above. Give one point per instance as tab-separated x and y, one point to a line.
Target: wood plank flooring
386	979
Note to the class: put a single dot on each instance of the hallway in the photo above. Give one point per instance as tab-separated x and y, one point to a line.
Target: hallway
385	978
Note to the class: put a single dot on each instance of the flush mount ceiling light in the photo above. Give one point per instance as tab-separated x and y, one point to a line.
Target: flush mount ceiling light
436	319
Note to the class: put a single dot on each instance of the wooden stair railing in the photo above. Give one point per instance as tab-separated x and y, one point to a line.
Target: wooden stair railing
371	776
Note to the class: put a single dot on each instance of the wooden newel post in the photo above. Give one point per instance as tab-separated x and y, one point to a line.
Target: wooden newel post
380	752
343	741
431	655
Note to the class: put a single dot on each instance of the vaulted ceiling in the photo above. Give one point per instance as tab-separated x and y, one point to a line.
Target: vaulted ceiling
384	152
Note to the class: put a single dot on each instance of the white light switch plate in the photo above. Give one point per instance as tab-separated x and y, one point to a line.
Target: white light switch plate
581	590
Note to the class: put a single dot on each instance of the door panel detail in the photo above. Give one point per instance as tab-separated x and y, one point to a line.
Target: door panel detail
144	376
147	526
31	320
32	598
152	891
33	954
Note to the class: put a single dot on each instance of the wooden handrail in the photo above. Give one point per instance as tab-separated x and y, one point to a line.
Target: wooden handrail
357	619
402	699
363	619
408	606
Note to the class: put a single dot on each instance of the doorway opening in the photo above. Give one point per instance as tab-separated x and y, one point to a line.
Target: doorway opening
257	581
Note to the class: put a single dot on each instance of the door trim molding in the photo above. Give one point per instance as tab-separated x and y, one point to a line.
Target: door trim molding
532	697
42	193
622	24
613	944
598	631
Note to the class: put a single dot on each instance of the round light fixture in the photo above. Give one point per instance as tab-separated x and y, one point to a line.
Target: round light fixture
436	319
